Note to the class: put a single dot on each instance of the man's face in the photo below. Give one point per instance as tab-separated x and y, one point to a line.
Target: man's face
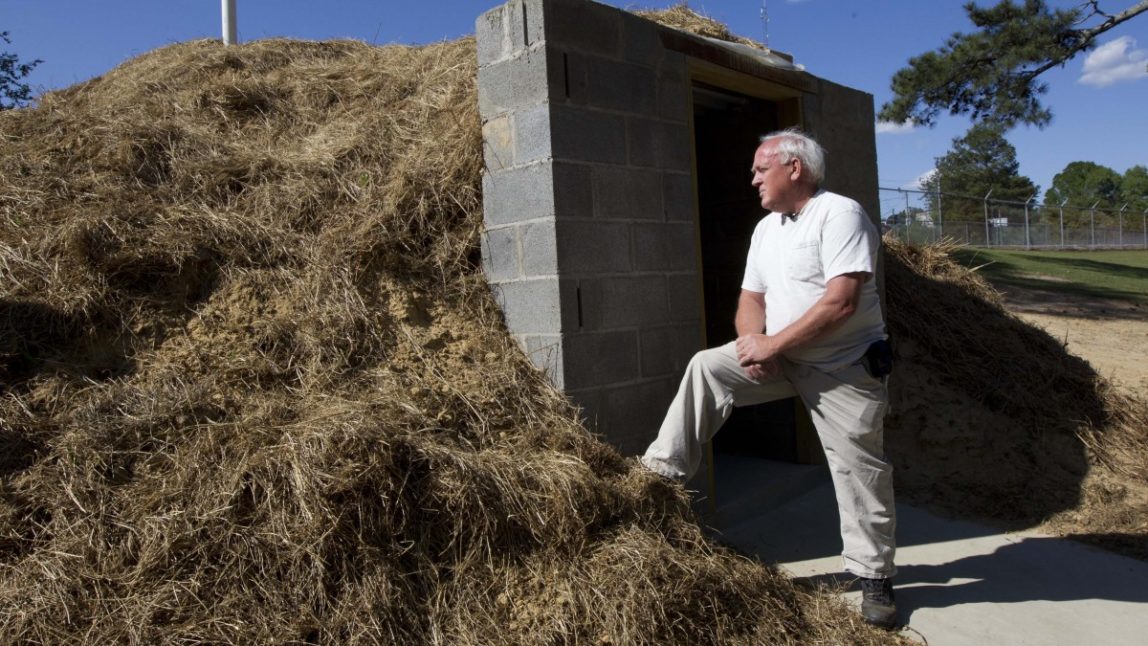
775	182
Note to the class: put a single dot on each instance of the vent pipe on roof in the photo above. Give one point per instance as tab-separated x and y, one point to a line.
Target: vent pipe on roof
228	22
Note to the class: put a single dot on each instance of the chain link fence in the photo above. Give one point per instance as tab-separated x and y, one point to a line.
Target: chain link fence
922	217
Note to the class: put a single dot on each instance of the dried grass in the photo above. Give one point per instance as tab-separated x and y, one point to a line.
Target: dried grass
993	418
256	390
680	16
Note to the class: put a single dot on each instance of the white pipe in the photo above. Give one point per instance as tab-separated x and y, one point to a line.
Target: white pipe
229	30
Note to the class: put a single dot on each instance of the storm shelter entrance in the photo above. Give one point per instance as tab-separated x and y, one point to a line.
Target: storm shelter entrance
727	126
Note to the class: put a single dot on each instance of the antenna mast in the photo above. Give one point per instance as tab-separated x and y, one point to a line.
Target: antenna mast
764	24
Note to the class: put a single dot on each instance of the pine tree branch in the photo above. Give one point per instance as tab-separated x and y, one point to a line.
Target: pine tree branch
1084	37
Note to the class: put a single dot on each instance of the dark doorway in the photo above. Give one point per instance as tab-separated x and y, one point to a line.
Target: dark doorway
727	126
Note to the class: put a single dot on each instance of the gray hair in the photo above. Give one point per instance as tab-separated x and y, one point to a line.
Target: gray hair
794	144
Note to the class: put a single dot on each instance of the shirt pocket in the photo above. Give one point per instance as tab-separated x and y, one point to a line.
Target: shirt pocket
804	262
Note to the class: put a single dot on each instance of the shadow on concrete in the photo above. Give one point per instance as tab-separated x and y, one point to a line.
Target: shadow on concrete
943	563
997	577
1031	569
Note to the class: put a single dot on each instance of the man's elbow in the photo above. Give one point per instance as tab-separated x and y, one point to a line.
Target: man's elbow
843	309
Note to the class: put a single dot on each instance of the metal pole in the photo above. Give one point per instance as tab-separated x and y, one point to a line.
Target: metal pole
987	244
1062	222
1120	224
1144	226
908	219
229	31
1027	238
940	216
1092	225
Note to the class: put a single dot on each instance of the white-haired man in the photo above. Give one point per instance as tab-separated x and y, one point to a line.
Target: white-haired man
809	324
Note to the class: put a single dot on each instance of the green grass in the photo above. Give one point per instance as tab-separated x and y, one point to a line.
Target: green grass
1121	275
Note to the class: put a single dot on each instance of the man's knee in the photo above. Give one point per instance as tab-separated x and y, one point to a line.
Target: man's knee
711	356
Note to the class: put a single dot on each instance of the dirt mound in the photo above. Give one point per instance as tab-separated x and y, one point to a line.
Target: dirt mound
255	389
993	418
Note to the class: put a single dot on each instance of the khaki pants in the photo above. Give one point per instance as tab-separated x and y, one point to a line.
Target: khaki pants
847	406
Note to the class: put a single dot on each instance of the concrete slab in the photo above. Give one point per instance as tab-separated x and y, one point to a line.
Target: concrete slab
960	582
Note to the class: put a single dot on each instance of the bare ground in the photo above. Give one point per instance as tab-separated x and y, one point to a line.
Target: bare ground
1111	335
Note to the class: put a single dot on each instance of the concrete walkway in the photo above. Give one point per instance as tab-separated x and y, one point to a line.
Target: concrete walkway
958	582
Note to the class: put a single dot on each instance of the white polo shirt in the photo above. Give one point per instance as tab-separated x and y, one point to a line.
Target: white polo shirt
790	260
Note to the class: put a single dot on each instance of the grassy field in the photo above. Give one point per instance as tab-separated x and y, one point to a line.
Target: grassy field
1101	274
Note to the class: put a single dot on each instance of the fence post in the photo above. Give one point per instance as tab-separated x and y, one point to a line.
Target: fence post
987	242
940	215
1144	226
1063	202
1092	226
1120	224
1027	238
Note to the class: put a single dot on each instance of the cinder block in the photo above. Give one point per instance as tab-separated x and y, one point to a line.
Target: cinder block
570	292
545	352
624	302
512	84
674	67
670	246
539	250
587	26
532	134
517	194
673	89
640	41
589	248
573	69
658	144
500	258
573	190
579	134
599	358
631	414
493	89
685	291
625	87
528	20
531	306
589	401
844	127
492	41
498	143
678	201
666	351
622	193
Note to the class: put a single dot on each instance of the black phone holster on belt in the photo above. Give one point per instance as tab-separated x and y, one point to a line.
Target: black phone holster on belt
878	359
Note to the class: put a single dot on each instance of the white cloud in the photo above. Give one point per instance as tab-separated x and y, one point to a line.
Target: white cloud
890	128
1115	61
919	183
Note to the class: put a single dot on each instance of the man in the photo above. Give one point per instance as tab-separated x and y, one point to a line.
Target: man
809	323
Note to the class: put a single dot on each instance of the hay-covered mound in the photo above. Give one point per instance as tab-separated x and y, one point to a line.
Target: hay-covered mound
255	389
993	418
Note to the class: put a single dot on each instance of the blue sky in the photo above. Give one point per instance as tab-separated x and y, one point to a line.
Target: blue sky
858	43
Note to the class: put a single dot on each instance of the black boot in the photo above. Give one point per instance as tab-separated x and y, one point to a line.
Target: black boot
877	606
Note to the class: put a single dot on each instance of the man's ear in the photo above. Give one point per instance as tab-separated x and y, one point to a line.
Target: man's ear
797	171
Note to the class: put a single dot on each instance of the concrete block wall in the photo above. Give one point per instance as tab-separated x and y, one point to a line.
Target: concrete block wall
591	242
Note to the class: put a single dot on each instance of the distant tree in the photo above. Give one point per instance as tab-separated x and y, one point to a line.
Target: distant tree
1134	189
905	216
13	93
980	161
1083	184
991	74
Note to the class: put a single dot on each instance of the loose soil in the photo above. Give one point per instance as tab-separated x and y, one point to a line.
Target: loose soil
1112	335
